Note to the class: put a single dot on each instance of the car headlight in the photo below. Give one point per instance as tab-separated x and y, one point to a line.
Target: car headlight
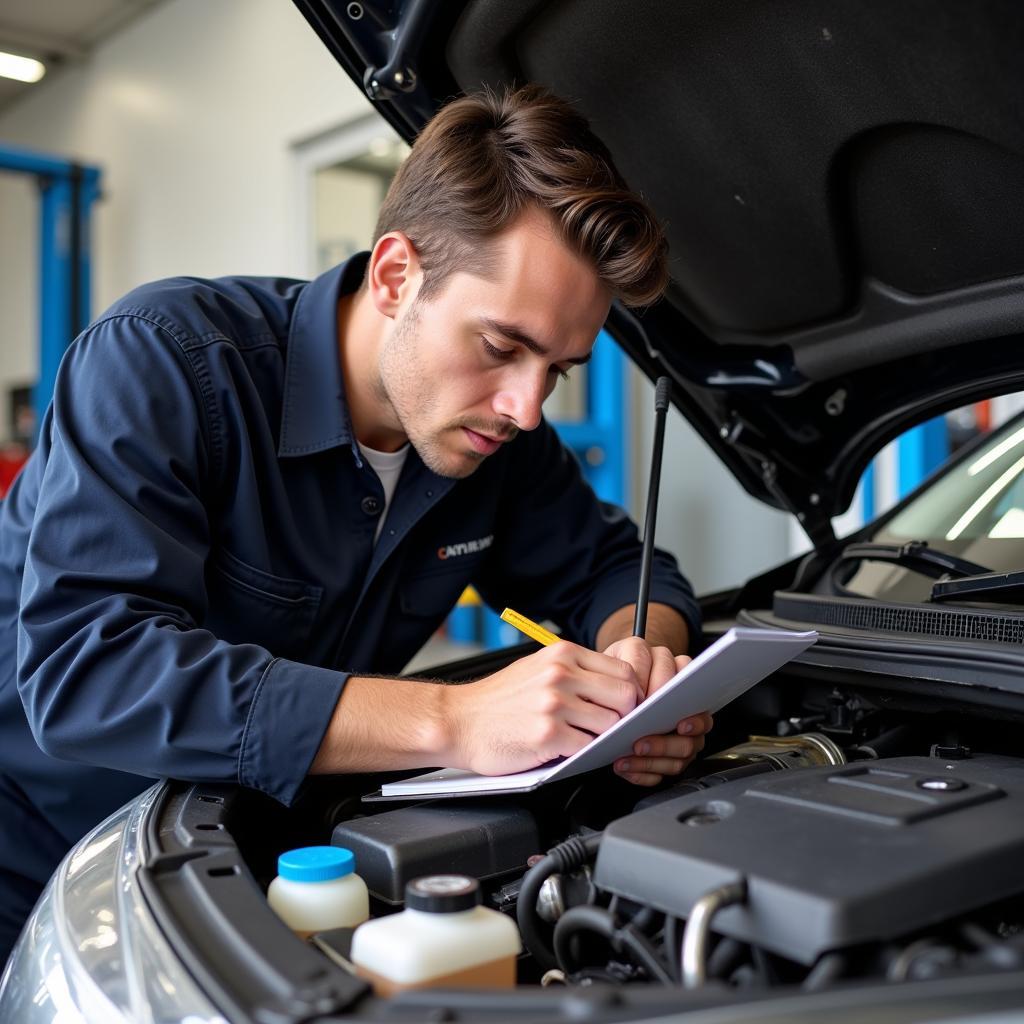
91	950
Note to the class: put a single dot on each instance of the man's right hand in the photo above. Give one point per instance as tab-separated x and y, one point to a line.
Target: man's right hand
549	704
546	705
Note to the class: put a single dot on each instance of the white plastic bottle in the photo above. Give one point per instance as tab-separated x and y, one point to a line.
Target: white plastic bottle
442	938
316	889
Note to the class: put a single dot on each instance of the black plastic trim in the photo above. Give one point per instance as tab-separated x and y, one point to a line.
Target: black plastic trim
214	915
940	622
974	674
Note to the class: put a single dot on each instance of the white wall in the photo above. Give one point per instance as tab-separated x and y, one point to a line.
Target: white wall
191	112
19	302
346	213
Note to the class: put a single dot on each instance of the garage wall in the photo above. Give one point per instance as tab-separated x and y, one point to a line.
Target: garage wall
19	256
192	112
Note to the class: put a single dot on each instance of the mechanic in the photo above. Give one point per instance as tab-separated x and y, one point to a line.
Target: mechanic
249	494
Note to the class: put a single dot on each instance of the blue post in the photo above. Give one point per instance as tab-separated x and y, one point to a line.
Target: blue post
868	493
599	439
55	327
89	193
464	624
919	452
499	634
65	281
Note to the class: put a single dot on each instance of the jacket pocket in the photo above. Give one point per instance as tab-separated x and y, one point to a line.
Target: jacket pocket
249	605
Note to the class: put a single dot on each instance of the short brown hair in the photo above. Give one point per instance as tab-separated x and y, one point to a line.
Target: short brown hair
484	158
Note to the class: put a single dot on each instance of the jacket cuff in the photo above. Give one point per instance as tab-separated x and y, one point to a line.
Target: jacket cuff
616	594
288	717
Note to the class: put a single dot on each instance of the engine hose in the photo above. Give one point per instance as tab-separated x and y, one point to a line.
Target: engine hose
671	941
980	938
829	968
725	957
623	940
567	856
644	918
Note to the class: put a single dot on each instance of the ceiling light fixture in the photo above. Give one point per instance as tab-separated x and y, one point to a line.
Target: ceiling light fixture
22	69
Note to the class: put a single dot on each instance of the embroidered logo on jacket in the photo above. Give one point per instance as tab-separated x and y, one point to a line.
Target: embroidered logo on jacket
468	547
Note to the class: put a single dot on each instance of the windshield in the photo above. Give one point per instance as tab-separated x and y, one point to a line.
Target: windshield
974	510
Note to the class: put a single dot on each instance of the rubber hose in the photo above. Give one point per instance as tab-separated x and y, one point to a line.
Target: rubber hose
628	940
567	856
672	941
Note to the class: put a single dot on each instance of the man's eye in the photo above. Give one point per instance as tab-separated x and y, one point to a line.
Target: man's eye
496	353
564	374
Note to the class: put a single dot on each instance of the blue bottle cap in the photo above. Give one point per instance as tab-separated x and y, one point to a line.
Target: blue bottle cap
316	863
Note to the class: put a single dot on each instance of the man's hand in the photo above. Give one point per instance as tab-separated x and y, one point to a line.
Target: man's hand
654	757
654	666
546	705
543	706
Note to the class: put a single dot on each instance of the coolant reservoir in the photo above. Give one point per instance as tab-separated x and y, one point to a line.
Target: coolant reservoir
442	938
317	889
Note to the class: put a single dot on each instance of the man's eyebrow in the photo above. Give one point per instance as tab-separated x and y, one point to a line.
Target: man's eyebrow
516	333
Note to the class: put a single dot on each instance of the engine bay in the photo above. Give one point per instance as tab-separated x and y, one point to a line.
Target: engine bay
857	837
875	865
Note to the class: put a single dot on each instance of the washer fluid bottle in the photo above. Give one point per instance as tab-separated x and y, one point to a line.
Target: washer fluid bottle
316	889
442	938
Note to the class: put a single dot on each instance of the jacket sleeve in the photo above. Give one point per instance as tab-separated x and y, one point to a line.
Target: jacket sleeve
562	554
114	667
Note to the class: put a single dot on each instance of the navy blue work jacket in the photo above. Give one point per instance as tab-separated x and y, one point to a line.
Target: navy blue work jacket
187	563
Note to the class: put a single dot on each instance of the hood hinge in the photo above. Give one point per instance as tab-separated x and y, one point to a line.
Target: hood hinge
812	516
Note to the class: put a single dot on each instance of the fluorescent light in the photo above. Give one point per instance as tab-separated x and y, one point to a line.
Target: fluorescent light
996	453
22	69
1011	525
990	494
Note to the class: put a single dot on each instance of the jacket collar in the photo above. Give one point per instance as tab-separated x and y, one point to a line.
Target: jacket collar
314	414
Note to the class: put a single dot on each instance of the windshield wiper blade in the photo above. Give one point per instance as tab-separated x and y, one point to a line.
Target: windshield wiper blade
916	556
957	579
1002	587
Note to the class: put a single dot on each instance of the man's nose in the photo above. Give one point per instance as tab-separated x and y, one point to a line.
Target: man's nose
521	401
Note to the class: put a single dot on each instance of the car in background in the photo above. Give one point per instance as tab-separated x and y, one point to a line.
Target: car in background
843	184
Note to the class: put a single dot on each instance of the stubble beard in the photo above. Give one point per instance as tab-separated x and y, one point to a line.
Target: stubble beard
403	384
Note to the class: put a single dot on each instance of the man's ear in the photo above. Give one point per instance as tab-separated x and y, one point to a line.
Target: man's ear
393	275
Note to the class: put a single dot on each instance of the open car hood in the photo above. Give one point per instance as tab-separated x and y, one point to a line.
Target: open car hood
842	183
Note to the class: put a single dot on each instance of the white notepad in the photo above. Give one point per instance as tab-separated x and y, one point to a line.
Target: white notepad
728	668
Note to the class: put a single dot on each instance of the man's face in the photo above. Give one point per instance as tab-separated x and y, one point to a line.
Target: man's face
465	370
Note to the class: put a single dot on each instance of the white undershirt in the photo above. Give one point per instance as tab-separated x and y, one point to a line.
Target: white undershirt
388	467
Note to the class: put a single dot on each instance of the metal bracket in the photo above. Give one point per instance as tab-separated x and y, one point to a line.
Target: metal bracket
815	523
399	73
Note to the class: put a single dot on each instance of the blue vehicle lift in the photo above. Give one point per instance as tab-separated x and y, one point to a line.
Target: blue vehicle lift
67	193
919	452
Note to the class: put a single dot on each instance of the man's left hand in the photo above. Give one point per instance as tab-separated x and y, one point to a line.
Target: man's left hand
655	757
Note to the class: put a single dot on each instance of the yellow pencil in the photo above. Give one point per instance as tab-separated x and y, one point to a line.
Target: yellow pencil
529	627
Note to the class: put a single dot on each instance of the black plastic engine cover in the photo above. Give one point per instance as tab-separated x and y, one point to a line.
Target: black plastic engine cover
831	857
440	837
